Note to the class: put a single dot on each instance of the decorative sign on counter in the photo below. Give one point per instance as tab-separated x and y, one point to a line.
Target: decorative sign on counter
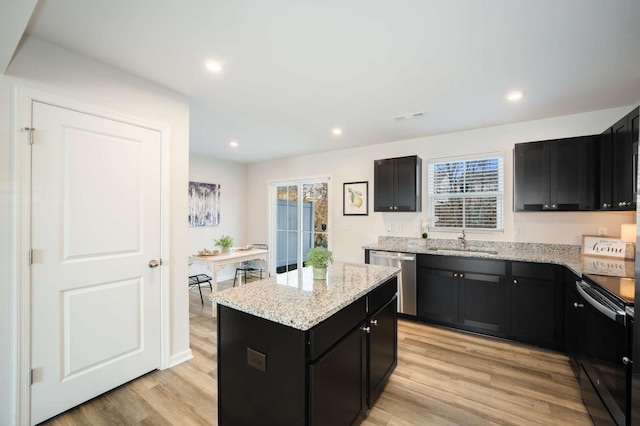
595	245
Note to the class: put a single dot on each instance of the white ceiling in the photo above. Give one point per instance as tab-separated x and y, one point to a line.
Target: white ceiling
294	69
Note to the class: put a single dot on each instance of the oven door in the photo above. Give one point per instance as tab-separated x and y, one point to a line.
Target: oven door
604	345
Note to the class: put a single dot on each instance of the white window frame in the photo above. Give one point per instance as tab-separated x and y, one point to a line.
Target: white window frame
433	196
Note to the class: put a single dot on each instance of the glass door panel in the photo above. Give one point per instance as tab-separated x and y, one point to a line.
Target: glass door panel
301	222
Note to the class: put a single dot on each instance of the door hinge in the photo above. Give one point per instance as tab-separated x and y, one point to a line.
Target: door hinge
30	256
30	130
31	377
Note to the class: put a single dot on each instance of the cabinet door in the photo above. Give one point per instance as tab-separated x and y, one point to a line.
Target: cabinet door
572	314
606	170
407	196
383	184
483	303
623	156
573	173
383	349
533	314
338	383
438	296
531	172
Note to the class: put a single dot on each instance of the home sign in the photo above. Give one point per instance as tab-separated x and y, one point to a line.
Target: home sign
593	245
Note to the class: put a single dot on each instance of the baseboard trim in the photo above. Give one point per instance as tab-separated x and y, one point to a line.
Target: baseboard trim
180	358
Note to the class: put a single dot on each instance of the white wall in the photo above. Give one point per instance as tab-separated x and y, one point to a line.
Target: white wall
350	233
44	67
232	178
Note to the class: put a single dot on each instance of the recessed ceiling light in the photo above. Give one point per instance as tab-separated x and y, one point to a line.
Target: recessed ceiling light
214	66
515	95
337	131
233	144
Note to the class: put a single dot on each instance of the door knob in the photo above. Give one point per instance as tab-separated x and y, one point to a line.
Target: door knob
153	263
578	305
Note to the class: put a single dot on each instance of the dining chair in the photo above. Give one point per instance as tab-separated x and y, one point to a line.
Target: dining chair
251	266
196	280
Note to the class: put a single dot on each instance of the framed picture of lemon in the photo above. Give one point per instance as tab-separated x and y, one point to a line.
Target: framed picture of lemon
355	199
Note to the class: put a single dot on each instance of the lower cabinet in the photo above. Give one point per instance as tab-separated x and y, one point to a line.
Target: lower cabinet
518	300
573	304
463	293
536	306
337	382
383	349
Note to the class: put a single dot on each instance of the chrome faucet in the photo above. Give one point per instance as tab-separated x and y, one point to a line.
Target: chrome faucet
463	240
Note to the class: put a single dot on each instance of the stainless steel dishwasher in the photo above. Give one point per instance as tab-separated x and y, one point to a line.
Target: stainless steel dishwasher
407	299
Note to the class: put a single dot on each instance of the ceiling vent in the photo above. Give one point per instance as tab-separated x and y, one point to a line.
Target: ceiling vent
409	116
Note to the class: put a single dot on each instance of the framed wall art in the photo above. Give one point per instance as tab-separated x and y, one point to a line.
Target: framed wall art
596	245
204	204
355	198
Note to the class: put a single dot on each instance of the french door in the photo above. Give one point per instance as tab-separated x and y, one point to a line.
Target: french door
300	221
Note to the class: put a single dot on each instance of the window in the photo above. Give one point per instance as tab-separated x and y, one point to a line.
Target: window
467	193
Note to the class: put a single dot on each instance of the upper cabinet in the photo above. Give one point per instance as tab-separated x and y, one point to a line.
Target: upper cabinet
556	175
398	184
618	160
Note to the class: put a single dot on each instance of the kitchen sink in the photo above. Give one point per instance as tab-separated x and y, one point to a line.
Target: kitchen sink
454	251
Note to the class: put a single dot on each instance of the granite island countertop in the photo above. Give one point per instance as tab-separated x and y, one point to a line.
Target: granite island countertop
296	300
559	254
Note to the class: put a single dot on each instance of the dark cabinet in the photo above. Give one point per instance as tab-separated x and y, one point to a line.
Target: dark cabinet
536	308
463	292
521	301
337	382
383	349
331	374
618	164
398	185
573	305
437	296
556	175
483	303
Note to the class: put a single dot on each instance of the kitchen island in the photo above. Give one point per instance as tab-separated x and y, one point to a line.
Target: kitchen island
297	351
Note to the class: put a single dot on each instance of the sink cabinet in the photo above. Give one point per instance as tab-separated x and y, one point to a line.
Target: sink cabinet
465	293
556	175
397	184
517	300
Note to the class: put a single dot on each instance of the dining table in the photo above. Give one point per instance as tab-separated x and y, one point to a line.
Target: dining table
215	262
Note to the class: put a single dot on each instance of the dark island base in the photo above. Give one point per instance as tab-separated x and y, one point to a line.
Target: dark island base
332	374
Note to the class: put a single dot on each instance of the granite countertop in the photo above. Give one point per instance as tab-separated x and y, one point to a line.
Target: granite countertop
560	254
297	300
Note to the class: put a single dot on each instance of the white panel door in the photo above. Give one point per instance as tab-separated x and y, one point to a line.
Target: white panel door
95	228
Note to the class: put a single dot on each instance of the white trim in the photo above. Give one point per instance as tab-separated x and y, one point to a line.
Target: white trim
180	358
23	100
272	186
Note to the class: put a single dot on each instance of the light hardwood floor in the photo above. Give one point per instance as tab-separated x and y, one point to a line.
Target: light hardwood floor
442	378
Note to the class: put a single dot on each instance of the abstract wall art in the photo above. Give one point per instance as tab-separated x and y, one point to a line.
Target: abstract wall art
204	204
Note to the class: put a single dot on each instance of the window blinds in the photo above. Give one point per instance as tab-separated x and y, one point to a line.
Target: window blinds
467	193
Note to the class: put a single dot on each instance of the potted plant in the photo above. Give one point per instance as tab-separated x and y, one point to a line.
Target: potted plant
225	243
319	258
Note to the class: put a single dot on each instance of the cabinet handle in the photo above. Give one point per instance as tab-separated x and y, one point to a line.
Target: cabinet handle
374	322
455	275
553	206
515	281
626	360
578	305
546	206
366	329
606	206
461	275
390	207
